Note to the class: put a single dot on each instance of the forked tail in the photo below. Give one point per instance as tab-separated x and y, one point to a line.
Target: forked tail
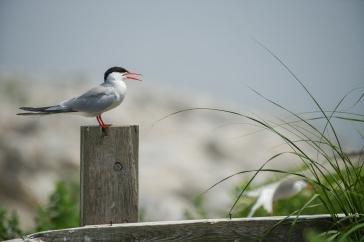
45	110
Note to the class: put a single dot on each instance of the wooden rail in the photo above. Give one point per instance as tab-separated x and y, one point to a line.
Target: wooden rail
243	229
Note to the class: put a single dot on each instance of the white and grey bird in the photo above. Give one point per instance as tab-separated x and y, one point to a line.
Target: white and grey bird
268	194
94	102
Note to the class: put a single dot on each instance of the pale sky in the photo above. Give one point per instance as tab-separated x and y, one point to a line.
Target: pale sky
200	46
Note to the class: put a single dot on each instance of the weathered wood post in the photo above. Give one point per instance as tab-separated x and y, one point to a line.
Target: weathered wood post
109	175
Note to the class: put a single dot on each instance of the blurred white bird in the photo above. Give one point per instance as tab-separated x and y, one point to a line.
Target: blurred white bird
94	102
270	193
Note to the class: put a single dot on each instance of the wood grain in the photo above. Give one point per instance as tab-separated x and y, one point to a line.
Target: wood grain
244	229
109	175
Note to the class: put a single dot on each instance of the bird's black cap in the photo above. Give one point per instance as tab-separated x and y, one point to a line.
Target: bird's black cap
114	69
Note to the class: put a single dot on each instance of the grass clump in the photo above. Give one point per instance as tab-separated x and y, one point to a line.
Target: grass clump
62	209
336	175
9	225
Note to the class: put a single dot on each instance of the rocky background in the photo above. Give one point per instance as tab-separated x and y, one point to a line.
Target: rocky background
179	156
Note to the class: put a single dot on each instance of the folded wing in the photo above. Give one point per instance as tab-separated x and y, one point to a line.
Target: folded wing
96	100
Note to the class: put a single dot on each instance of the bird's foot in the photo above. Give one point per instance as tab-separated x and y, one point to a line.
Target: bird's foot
105	126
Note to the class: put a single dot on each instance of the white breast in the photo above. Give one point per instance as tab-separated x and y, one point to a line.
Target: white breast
120	92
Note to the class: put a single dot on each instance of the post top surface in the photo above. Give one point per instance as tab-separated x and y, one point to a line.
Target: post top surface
111	127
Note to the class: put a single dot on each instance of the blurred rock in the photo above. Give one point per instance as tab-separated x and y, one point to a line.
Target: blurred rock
180	156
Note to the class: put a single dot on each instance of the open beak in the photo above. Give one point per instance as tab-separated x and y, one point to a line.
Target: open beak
133	76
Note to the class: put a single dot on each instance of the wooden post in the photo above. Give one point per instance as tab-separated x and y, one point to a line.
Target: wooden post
109	175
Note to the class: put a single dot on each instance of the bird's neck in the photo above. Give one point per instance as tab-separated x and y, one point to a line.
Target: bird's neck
119	85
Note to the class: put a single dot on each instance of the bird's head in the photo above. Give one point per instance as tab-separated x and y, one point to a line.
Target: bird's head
300	184
119	73
303	184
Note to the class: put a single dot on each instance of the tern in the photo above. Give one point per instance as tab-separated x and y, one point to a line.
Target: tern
94	102
270	193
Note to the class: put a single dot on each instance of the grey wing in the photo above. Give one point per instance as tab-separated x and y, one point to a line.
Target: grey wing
285	188
96	100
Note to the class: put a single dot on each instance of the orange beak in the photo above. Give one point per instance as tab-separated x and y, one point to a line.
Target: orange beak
133	76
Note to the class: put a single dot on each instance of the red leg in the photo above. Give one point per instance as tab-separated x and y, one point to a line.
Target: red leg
103	124
101	121
98	120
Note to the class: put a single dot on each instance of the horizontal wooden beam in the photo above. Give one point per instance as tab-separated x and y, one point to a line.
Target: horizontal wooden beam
274	229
